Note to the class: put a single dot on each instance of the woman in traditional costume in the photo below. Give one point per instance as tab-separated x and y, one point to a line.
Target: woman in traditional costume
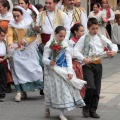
61	87
26	71
6	7
29	8
108	16
5	13
96	13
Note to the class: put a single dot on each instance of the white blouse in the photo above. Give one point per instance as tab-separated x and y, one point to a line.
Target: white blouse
98	16
2	48
71	46
96	44
46	61
111	14
49	28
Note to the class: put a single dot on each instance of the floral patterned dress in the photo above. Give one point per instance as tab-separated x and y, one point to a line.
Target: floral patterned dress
59	94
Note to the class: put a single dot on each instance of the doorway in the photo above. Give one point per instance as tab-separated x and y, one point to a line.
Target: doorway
118	1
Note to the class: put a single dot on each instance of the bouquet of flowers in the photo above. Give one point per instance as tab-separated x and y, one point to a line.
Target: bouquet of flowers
56	48
103	20
13	51
33	30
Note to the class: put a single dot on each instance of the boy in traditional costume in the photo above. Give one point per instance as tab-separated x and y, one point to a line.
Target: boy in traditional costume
5	17
3	64
89	50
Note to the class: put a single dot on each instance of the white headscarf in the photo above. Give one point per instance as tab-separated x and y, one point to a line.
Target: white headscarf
11	5
26	21
8	16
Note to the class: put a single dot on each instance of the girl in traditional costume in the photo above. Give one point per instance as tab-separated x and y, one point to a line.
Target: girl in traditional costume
26	71
77	31
6	7
96	13
61	87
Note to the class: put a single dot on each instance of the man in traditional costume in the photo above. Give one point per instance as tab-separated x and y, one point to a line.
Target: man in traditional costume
50	19
75	14
78	5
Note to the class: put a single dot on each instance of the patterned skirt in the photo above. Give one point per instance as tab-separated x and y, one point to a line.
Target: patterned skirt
79	74
59	94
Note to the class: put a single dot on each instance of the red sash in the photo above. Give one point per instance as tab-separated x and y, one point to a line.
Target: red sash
9	75
5	63
108	12
45	37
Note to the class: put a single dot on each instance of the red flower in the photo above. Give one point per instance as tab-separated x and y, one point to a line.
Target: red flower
36	27
19	46
56	47
106	49
105	20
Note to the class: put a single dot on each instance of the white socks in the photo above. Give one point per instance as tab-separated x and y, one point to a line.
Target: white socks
62	116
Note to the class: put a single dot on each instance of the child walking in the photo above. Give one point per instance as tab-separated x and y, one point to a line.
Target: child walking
60	88
89	50
3	64
116	33
77	31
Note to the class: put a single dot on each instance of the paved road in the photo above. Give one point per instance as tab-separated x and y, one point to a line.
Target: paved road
33	107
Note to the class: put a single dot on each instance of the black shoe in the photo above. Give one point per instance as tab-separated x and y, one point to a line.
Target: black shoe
2	95
85	112
94	115
1	100
8	89
41	92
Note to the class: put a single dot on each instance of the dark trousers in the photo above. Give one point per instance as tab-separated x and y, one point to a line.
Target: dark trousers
108	27
3	80
92	74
